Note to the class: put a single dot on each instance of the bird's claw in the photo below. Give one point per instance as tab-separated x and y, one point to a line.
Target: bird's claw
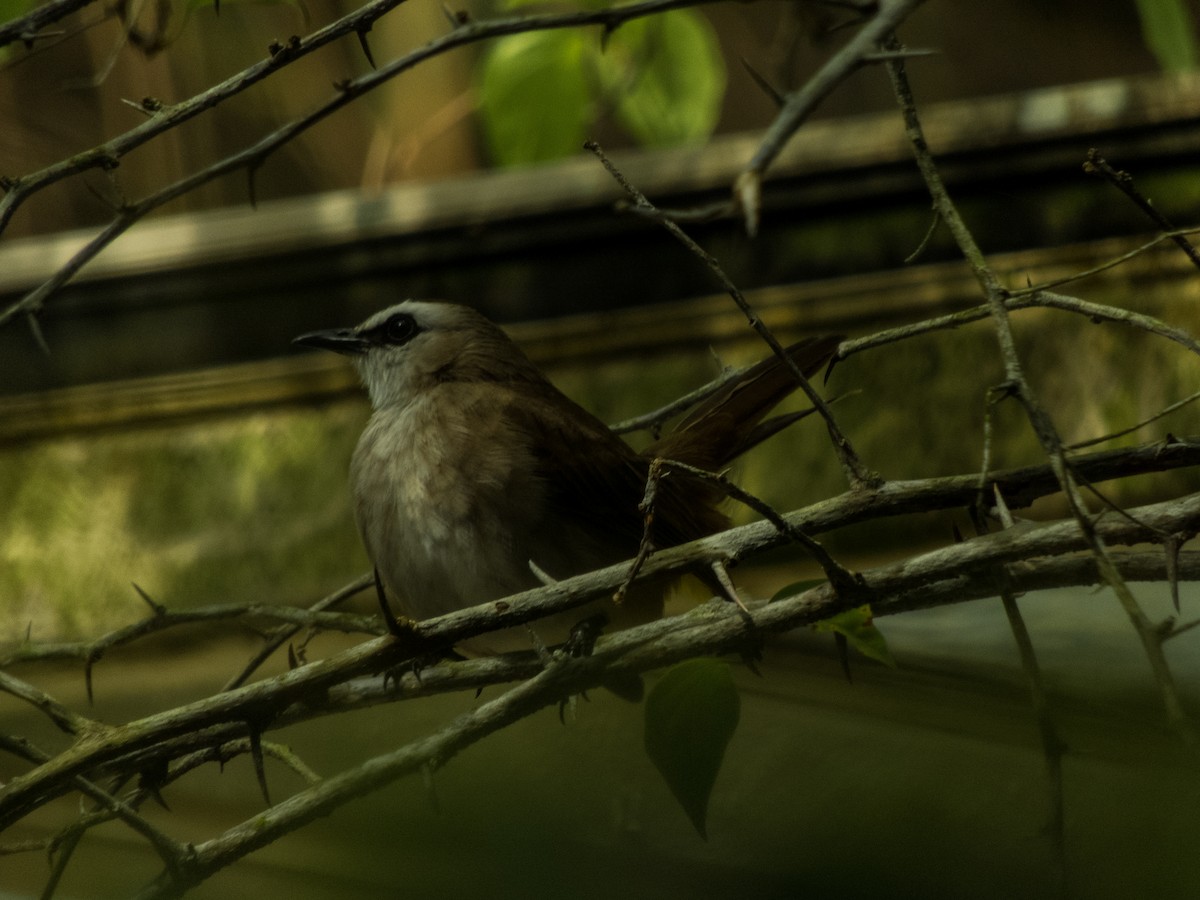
582	639
423	660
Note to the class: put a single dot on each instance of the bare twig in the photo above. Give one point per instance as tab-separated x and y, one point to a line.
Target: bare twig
856	472
158	622
25	28
1080	445
799	105
1052	744
286	633
848	584
64	718
655	418
1121	259
1123	181
1017	301
645	546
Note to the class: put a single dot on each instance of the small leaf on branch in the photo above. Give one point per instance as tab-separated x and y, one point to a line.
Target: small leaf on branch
691	714
796	587
857	626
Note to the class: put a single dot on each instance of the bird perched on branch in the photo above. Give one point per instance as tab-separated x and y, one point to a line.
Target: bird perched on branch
473	466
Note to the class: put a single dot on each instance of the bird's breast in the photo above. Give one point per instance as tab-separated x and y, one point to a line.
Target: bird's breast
444	493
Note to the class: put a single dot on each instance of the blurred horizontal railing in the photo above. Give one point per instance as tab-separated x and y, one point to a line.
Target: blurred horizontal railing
212	288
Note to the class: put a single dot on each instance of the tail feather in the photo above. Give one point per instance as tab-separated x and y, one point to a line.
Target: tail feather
730	422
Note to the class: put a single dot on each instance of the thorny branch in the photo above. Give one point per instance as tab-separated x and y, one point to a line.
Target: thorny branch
1019	558
223	717
294	619
108	155
168	116
163	117
25	28
1123	182
995	296
914	582
632	651
1020	487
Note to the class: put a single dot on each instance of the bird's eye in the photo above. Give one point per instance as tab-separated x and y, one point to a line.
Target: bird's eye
399	329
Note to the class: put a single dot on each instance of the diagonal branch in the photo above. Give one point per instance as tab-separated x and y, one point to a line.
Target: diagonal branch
799	105
108	155
634	651
25	28
1123	182
1023	300
222	717
995	296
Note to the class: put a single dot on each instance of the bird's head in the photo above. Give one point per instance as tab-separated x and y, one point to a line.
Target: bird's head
415	345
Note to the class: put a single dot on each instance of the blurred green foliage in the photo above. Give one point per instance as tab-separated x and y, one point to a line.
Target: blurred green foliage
1169	33
661	77
223	510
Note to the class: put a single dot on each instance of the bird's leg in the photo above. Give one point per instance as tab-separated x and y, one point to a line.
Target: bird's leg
404	629
389	618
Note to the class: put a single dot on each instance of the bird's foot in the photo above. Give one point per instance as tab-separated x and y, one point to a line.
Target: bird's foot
582	639
424	659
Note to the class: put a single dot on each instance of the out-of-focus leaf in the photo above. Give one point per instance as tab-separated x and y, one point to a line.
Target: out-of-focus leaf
1169	32
691	714
533	96
666	76
858	627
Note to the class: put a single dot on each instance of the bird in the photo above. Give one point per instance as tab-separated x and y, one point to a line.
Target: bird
475	477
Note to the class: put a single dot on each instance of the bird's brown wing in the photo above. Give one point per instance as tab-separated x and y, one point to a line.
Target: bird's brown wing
597	480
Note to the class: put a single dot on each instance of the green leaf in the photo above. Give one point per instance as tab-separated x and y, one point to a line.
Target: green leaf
796	587
1169	33
691	714
533	96
666	76
858	627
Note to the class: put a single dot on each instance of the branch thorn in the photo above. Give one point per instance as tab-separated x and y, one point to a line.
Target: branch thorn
366	47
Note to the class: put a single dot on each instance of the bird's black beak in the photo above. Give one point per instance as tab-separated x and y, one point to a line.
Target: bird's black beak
346	341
